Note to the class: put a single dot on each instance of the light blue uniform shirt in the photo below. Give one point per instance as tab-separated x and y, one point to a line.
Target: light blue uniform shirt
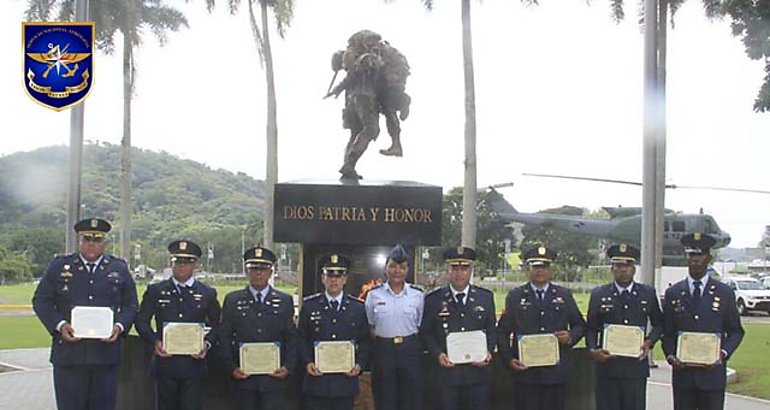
392	315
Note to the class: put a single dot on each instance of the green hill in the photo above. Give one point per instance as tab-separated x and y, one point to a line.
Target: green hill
172	198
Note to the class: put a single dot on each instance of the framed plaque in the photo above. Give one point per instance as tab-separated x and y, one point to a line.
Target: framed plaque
183	338
260	358
698	348
539	350
92	322
622	340
466	347
335	357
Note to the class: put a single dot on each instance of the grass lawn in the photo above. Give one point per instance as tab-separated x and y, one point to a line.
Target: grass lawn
22	332
753	377
19	294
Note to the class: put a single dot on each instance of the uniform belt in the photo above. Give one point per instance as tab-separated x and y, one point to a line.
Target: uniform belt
398	339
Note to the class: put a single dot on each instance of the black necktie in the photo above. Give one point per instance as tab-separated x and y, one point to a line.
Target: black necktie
460	296
335	304
91	267
696	291
624	294
259	298
540	293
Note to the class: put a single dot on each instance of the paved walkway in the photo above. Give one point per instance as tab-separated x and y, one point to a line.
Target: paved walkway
32	388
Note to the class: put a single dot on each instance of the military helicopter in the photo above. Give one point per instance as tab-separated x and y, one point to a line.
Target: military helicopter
624	224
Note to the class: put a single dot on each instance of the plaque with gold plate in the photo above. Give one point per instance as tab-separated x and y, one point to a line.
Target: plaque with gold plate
539	350
335	356
623	340
698	348
92	322
466	347
260	358
183	338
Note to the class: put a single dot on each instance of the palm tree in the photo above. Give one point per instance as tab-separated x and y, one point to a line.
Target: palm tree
283	11
129	17
469	187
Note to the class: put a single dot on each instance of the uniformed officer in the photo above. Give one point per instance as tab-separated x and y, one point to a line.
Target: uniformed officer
539	307
259	313
85	371
621	381
460	307
179	299
394	310
700	304
332	316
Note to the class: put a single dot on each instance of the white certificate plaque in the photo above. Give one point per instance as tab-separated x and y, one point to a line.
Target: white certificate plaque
183	338
466	347
92	322
335	357
698	348
539	350
260	358
623	340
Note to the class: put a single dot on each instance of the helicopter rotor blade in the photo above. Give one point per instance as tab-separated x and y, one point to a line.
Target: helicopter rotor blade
672	186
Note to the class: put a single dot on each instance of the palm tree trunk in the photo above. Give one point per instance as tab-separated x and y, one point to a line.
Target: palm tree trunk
125	143
271	174
469	189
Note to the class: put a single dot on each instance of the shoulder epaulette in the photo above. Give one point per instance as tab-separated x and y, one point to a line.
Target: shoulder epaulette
417	288
117	258
311	297
377	287
355	298
434	291
482	289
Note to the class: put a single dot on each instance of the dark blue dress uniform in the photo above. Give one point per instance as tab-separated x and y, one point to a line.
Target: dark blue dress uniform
713	310
463	386
396	351
621	381
178	378
244	320
319	321
86	371
539	388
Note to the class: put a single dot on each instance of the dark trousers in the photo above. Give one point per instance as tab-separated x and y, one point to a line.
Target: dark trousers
540	396
256	400
396	379
696	399
91	387
473	397
329	403
179	394
621	394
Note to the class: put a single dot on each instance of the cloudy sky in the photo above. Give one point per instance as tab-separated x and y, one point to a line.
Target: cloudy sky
558	88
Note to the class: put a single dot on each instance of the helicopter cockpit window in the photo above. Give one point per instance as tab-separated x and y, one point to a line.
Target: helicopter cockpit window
677	226
709	227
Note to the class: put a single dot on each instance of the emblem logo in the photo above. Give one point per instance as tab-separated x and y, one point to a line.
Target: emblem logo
623	247
58	62
183	246
258	252
94	223
541	250
696	236
334	259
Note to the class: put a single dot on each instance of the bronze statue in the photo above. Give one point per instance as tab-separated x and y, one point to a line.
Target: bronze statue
375	84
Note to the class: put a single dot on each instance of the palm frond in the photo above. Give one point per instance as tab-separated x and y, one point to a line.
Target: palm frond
428	4
616	7
713	8
283	10
161	19
39	10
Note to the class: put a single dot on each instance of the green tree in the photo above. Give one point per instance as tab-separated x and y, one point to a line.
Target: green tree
38	244
131	18
492	231
283	12
14	267
575	251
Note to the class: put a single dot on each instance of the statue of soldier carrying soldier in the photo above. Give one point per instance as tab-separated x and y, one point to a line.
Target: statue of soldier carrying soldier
374	84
